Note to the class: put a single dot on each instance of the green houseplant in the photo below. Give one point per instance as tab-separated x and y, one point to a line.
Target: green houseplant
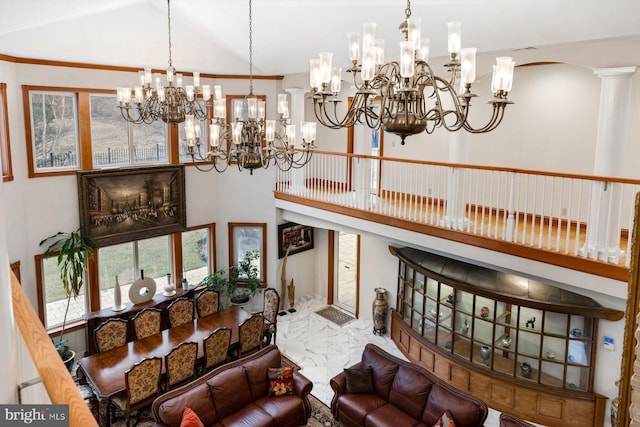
238	283
73	254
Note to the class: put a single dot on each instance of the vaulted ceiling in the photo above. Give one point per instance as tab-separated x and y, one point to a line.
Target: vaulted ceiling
212	35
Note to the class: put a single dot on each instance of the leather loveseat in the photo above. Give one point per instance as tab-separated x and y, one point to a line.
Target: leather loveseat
402	394
238	394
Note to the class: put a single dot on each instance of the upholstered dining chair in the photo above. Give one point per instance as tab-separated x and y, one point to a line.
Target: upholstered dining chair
216	348
207	302
111	334
180	311
250	335
143	386
270	312
147	322
180	364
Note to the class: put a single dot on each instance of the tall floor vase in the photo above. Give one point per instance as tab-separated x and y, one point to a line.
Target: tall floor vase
379	312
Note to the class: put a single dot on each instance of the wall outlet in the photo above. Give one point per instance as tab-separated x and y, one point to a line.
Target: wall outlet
608	344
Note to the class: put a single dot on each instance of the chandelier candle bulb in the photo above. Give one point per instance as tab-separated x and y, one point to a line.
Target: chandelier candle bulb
291	135
270	130
206	92
179	80
252	107
314	73
336	79
325	66
214	135
139	95
368	34
196	79
170	74
261	110
237	111
236	133
354	46
161	94
468	64
423	52
220	108
379	52
283	103
368	63
217	91
407	67
455	37
190	92
413	32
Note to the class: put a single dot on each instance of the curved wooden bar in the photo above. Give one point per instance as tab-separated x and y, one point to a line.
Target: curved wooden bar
544	405
55	376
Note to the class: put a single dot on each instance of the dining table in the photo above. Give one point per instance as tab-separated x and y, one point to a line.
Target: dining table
105	372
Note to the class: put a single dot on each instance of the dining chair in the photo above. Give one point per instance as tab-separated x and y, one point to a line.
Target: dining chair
180	364
111	334
142	387
250	335
180	311
207	302
216	348
270	312
146	323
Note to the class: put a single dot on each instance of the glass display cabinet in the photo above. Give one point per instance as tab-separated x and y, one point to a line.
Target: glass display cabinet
500	326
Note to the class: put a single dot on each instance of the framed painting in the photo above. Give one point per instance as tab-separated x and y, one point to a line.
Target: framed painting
300	237
126	204
245	237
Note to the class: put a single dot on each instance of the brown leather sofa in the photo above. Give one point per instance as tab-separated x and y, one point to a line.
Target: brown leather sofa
508	420
403	395
237	394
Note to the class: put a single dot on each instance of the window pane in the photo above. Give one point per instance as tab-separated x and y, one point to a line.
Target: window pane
116	260
109	132
183	149
153	259
150	142
54	130
195	254
248	238
56	298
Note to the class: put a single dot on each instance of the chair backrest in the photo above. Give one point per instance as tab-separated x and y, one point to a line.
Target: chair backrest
180	311
111	334
180	363
207	302
143	381
271	305
250	334
146	323
216	347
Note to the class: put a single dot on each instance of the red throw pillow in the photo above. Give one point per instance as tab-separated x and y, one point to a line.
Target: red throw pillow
280	381
446	420
190	418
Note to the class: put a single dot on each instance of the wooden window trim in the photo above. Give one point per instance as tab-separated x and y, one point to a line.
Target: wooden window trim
263	254
5	142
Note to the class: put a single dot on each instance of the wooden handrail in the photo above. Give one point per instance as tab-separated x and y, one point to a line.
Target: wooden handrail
55	376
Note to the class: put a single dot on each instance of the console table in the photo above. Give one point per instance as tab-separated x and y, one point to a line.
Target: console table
95	318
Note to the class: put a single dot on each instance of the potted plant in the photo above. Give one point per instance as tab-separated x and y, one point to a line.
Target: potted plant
237	283
74	251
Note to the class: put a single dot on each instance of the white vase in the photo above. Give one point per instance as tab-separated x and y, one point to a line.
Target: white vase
117	297
169	289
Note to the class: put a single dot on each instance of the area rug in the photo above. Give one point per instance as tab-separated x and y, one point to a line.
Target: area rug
320	417
336	316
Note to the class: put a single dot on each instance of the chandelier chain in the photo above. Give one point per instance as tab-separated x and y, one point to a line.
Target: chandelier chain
169	22
250	50
407	11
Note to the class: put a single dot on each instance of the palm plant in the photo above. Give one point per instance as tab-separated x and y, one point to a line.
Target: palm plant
73	254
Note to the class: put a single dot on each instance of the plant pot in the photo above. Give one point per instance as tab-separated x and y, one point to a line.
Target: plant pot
240	296
68	358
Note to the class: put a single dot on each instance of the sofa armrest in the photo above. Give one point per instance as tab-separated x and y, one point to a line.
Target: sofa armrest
339	384
302	388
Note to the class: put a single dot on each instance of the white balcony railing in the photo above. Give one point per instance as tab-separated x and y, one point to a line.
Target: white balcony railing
579	215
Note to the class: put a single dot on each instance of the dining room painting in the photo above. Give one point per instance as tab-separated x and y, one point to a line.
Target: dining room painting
299	236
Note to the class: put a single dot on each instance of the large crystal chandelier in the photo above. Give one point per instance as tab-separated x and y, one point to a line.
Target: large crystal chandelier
249	141
412	98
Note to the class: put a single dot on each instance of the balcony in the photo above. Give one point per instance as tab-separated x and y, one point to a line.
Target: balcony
575	221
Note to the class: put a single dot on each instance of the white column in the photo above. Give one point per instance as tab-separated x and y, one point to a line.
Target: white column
458	153
296	111
361	168
603	228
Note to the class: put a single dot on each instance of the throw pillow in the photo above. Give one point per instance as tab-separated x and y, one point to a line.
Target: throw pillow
190	418
280	381
446	420
359	380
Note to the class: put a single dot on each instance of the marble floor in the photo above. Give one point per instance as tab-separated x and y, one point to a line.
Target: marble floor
323	349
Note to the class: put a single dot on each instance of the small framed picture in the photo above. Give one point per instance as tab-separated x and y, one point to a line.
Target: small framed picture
296	236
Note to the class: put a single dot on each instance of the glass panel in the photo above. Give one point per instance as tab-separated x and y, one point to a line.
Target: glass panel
579	352
429	331
432	288
505	337
116	260
577	378
528	368
409	275
485	308
418	302
444	338
446	294
462	323
56	298
483	331
552	374
503	361
195	254
419	282
581	327
464	301
444	317
506	314
150	143
153	258
183	149
109	132
530	319
462	347
54	130
431	312
553	348
528	343
482	354
417	322
555	323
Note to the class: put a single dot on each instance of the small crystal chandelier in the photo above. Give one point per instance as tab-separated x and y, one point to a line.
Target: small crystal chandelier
412	97
249	142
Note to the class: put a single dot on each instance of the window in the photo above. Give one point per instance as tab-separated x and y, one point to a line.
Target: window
183	149
196	253
245	237
54	302
5	148
126	261
53	131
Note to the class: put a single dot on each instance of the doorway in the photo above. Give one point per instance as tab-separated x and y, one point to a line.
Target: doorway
347	272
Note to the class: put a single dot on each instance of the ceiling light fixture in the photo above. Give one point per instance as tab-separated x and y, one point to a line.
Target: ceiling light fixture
412	97
249	142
